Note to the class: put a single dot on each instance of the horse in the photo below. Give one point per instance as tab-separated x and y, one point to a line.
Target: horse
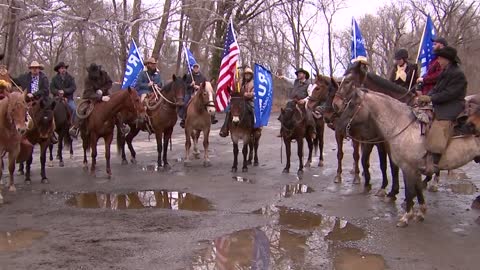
62	117
13	110
101	122
294	127
199	111
322	94
163	115
398	126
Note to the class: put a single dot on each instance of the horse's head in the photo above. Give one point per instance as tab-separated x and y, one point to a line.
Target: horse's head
41	111
352	112
291	115
206	94
324	87
16	111
237	107
179	87
474	118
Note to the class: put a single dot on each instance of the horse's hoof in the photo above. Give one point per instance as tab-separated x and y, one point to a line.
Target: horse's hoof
402	224
338	179
307	165
367	189
124	162
432	188
133	161
255	163
71	156
28	182
61	164
186	163
419	217
249	162
381	193
356	179
109	176
196	155
12	188
45	181
320	163
286	170
245	169
207	164
166	166
20	173
234	170
50	163
390	199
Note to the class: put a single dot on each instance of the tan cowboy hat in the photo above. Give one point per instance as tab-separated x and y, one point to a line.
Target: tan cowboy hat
35	64
248	70
151	60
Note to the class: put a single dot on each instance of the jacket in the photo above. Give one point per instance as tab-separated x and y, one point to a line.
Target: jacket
299	90
199	79
142	81
411	70
65	83
25	81
448	95
103	83
430	78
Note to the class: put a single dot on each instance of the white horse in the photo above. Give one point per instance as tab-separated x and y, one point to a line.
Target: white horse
399	127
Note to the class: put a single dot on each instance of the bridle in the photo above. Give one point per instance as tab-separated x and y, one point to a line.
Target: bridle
244	111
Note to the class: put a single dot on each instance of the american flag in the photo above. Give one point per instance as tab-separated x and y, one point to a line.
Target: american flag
227	69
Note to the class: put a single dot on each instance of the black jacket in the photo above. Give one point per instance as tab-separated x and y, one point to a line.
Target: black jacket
448	95
25	81
104	83
411	70
299	90
199	79
65	83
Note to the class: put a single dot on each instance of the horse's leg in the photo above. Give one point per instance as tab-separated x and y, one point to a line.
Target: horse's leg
300	155
21	170
50	150
432	186
11	171
43	160
166	140
320	138
85	145
61	137
159	137
339	139
195	137
310	151
235	156
366	151
382	157
245	155
129	139
422	210
410	178
27	169
288	152
121	145
93	148
188	145
250	150
108	142
395	180
356	158
206	134
256	142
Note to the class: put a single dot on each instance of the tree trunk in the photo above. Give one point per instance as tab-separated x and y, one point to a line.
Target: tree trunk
330	60
181	43
137	11
12	39
161	32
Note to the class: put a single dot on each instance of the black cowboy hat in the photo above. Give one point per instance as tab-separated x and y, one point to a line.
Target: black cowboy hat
401	54
307	75
94	67
440	40
449	53
60	65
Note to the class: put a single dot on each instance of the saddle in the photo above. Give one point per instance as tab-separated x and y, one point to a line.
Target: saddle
425	116
84	108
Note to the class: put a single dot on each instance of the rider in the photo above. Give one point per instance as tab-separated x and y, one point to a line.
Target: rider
404	73
148	79
300	94
63	85
247	90
448	99
428	81
97	86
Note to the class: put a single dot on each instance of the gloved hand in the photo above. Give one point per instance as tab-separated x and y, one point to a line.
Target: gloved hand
424	99
30	95
105	98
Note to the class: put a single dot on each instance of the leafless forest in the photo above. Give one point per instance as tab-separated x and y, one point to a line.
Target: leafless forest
280	34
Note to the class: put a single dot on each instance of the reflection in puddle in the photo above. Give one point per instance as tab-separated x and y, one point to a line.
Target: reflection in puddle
464	188
354	259
150	168
11	241
243	180
293	189
141	199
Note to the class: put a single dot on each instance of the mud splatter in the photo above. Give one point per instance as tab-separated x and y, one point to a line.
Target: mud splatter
354	259
15	240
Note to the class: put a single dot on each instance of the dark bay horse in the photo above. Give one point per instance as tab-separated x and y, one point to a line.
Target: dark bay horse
101	122
199	111
163	115
242	128
62	116
40	131
13	110
293	121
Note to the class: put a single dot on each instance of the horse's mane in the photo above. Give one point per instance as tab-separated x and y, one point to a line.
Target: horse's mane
396	104
386	84
167	87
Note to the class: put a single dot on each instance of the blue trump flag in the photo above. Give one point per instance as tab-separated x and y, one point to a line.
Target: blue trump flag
358	43
263	89
425	52
189	57
134	66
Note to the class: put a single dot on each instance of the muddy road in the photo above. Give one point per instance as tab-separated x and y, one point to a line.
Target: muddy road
209	218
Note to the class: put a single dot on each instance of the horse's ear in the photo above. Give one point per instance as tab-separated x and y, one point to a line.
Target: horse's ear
174	77
129	89
184	78
203	85
282	110
213	81
334	82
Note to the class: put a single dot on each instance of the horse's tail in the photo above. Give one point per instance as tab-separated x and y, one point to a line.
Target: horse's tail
67	140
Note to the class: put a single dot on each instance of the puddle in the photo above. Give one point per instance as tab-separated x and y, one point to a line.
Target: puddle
150	168
243	180
293	189
15	240
463	187
141	199
354	259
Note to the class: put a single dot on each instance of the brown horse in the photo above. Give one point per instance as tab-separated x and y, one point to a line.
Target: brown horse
199	111
293	121
13	110
101	122
40	130
163	115
62	116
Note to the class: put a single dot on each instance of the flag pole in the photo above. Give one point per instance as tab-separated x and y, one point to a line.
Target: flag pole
418	53
237	72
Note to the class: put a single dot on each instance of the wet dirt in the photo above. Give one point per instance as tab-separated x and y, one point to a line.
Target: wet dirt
294	189
354	259
20	239
463	187
173	200
476	203
242	180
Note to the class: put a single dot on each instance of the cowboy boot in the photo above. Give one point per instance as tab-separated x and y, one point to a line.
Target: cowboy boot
224	131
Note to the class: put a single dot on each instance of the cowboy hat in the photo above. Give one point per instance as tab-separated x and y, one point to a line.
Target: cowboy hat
449	53
248	70
35	64
151	60
440	40
361	59
401	54
60	65
307	75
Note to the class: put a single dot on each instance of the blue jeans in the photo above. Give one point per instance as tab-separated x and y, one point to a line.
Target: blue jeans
73	108
182	112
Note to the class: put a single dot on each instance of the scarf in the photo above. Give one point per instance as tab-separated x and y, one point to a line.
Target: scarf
401	74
